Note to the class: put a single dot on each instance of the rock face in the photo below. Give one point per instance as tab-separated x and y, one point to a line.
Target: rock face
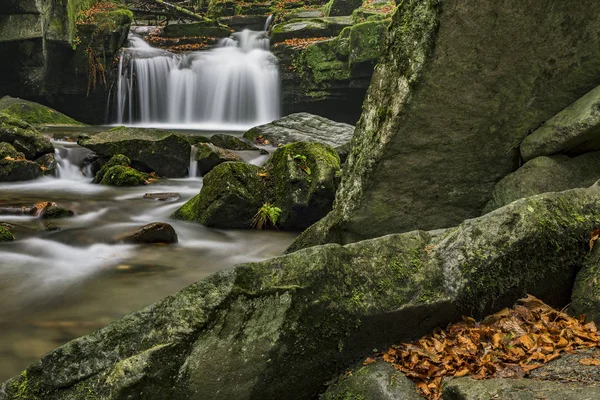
573	130
299	178
282	327
377	381
303	127
59	57
34	113
546	174
586	291
14	167
435	96
163	152
156	232
209	156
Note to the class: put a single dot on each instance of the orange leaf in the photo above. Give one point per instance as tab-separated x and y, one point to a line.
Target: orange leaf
589	361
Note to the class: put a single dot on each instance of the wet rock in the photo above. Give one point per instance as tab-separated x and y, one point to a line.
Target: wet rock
5	235
162	196
34	113
209	156
574	130
230	142
52	211
309	28
195	139
50	227
231	194
18	210
377	381
203	28
48	164
166	153
585	298
516	389
119	175
7	150
19	170
281	328
23	137
156	232
435	134
546	174
305	179
302	127
117	159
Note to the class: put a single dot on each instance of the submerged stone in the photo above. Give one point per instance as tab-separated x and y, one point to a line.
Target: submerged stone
53	211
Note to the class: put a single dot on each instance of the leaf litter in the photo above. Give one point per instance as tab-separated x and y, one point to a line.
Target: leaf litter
507	344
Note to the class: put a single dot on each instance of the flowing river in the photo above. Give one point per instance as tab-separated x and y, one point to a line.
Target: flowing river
64	278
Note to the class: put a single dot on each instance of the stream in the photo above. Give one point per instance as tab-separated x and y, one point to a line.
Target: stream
62	281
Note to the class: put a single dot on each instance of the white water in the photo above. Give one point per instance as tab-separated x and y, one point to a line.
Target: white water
232	87
193	162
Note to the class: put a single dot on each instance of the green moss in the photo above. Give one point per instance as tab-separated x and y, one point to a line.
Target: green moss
34	113
204	28
5	235
119	175
117	159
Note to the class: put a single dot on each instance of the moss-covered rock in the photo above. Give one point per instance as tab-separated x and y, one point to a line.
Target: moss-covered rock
23	137
166	153
119	175
341	7
19	170
586	291
281	328
230	142
56	212
305	178
34	113
546	174
209	156
48	164
203	28
117	159
377	381
5	235
433	100
231	194
7	150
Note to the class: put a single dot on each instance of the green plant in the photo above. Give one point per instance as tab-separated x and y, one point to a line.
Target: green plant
267	215
301	163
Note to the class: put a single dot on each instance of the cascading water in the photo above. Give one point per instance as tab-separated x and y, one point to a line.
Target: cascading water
234	86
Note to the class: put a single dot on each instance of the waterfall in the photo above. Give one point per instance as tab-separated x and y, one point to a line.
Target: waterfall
233	86
193	169
68	160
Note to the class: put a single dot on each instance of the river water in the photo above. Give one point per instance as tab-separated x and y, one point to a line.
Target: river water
56	285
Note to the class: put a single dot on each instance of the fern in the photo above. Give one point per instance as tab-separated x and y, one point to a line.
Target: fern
266	215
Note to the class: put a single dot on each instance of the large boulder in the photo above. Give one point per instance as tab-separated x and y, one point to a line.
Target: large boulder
34	113
14	167
456	90
573	130
302	127
281	328
209	156
305	177
341	7
231	195
546	174
166	153
23	137
230	142
299	178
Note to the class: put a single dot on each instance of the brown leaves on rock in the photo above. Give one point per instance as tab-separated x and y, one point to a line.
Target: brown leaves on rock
299	43
89	16
593	237
507	344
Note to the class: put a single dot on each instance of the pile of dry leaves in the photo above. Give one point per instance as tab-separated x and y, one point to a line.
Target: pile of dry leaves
510	343
303	43
89	16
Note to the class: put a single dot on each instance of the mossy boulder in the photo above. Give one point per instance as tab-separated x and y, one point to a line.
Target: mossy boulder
48	164
56	212
120	175
341	7
546	174
17	169
209	156
5	235
305	178
376	381
34	113
572	131
203	28
164	152
23	137
231	194
281	328
309	27
436	134
586	291
117	159
7	150
230	142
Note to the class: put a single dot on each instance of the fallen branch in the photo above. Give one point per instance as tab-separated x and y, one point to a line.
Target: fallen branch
183	11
